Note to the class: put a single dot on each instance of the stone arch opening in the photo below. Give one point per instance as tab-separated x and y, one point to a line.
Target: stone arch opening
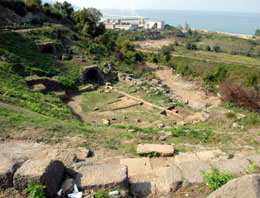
92	76
48	49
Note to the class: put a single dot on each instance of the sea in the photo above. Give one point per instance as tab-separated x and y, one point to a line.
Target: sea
230	22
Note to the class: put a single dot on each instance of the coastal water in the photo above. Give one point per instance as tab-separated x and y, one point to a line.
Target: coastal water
238	23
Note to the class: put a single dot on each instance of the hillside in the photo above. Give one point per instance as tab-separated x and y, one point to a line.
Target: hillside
112	111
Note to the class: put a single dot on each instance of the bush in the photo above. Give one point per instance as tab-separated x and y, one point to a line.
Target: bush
191	46
35	190
230	115
253	168
100	194
219	74
235	92
216	179
216	48
257	32
176	43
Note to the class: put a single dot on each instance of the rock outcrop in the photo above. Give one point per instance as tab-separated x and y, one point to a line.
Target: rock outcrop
102	176
7	169
244	187
46	172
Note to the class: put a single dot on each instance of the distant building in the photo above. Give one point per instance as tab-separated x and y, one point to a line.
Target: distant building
126	26
110	26
132	23
160	25
151	25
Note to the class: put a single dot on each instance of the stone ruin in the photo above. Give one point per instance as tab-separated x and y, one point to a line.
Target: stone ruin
92	74
47	47
152	35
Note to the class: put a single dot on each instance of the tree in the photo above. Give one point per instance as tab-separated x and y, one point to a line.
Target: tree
188	46
189	32
33	4
166	52
216	48
257	32
65	9
187	26
208	48
87	22
191	46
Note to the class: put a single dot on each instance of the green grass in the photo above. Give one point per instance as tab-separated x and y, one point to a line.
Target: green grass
98	99
230	44
14	90
196	134
213	56
252	169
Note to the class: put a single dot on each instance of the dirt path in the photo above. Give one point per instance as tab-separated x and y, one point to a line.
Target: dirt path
187	90
74	105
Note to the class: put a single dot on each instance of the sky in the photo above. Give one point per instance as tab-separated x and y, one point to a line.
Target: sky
250	6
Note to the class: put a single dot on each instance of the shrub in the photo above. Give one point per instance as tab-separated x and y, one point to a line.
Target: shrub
219	74
100	194
257	32
230	115
216	48
236	92
216	178
208	48
34	189
253	168
150	155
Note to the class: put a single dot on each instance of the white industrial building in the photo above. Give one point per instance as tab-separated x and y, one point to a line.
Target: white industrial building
132	23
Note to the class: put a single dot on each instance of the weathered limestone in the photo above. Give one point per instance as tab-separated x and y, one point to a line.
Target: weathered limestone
163	150
238	166
137	166
170	180
191	172
7	169
244	187
253	158
67	155
185	157
207	155
102	176
196	105
44	171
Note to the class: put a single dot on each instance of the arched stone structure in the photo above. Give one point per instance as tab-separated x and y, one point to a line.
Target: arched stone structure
47	47
92	74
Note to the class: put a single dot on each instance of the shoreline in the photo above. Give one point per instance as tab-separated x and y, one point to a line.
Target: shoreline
245	36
